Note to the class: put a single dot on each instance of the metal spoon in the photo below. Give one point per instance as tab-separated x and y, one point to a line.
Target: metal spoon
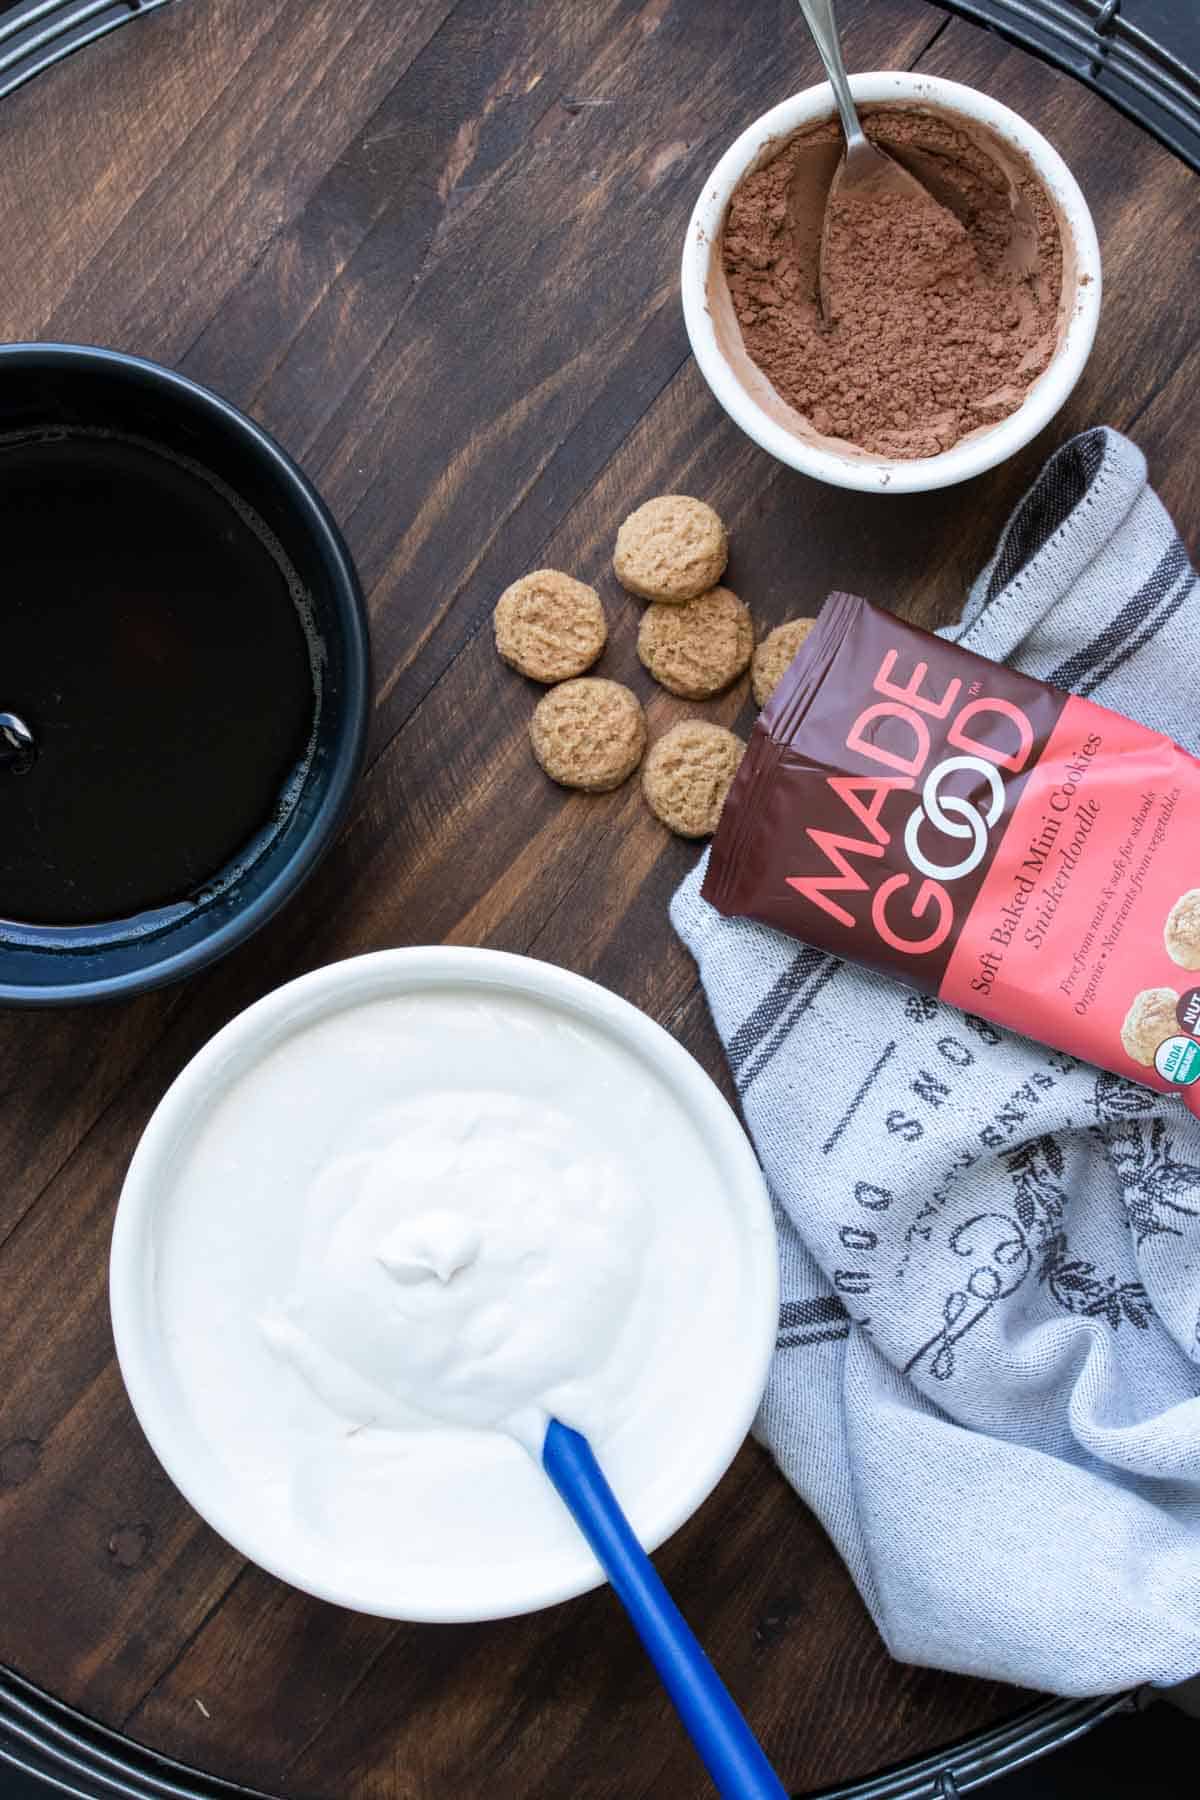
864	167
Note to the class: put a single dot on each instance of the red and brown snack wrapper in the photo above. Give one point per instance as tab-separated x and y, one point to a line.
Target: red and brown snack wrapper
1022	853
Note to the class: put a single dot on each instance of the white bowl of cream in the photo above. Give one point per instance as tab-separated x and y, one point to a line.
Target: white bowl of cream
395	1215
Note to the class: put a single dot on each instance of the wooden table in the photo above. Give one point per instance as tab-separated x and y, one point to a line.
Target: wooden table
432	246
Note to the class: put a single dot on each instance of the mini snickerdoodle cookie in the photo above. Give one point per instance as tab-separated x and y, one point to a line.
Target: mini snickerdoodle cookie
688	774
588	734
1181	933
671	549
549	626
697	647
1149	1021
774	655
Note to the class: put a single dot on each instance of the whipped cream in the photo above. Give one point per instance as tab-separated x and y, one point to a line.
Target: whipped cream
397	1236
481	1268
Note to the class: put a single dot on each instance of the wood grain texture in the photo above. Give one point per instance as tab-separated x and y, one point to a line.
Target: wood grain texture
432	245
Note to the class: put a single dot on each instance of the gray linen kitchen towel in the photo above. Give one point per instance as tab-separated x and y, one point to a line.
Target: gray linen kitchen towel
987	1382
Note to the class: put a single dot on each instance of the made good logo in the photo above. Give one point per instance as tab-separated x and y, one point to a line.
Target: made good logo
961	802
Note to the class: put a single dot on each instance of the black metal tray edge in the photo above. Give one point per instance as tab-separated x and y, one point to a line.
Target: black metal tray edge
34	34
1089	39
49	1743
62	1751
1092	41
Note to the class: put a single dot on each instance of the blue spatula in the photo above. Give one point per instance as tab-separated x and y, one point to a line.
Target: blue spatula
728	1747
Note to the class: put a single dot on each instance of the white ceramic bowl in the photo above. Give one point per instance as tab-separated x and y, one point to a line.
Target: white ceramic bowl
693	1439
742	392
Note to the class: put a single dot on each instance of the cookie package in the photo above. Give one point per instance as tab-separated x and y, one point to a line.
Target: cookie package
1024	854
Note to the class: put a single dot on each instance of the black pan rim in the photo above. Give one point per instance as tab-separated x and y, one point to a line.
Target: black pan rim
165	965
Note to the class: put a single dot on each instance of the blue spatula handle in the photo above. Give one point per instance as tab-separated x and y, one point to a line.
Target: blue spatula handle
730	1751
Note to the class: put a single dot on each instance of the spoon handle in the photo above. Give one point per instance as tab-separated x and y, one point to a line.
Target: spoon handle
728	1747
819	17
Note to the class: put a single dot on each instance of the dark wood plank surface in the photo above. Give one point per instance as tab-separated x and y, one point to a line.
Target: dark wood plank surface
432	245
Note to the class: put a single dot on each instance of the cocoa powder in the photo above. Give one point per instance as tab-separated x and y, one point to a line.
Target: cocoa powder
937	321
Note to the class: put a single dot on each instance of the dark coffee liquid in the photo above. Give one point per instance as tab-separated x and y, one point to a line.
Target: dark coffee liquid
151	640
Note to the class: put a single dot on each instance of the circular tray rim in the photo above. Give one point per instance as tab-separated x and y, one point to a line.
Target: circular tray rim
1089	39
69	1753
63	1750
